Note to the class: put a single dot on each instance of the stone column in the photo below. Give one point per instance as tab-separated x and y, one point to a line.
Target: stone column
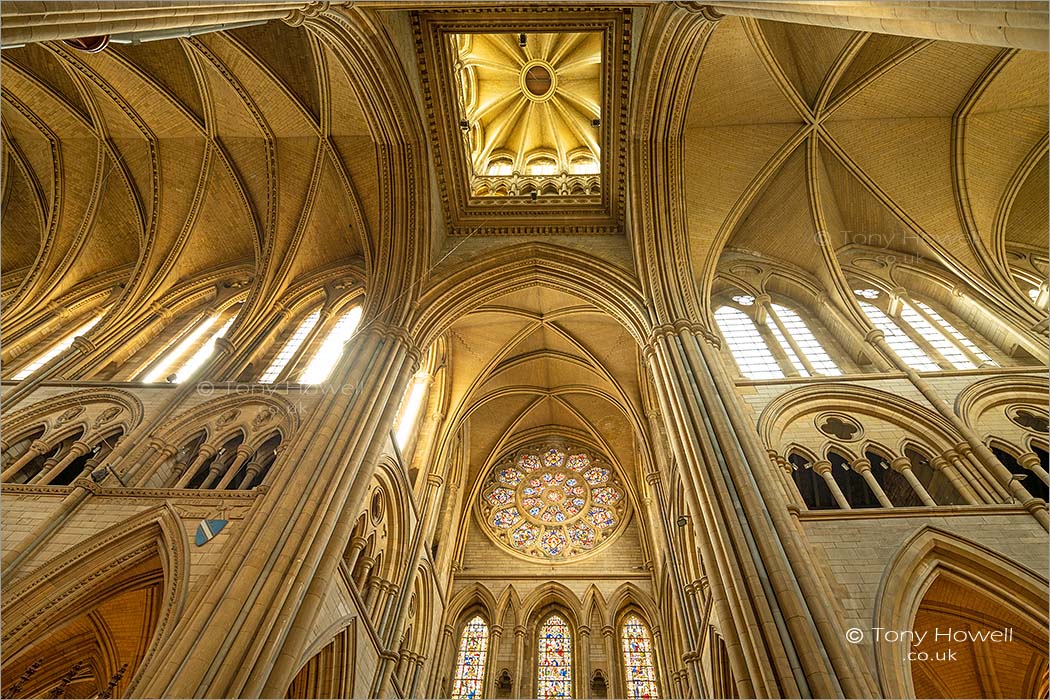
823	468
982	491
77	449
519	661
584	691
863	467
988	479
205	453
961	487
243	454
157	453
257	615
1031	462
616	684
36	449
902	465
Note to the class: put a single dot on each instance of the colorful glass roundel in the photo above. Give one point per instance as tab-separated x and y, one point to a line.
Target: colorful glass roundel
553	503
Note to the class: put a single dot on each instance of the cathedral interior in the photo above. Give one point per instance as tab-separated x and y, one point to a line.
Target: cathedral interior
466	349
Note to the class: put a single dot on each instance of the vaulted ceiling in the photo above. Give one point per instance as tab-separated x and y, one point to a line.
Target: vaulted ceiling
248	150
803	142
180	158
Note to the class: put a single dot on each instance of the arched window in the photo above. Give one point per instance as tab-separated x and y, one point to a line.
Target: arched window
554	662
331	349
541	165
290	348
194	350
749	350
411	407
921	336
500	166
958	337
638	663
56	349
898	340
803	338
470	664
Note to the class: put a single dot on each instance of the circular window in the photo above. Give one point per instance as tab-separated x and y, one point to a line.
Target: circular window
553	504
538	80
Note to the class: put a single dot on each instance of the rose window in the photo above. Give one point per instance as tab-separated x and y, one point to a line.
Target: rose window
553	504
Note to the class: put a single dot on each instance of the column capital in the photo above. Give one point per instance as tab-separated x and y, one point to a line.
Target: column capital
821	466
1029	460
83	345
900	464
224	346
940	462
874	336
860	465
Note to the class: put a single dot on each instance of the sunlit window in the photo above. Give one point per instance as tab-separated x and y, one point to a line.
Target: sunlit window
410	410
56	349
290	348
542	166
500	166
326	357
938	340
898	340
1033	294
178	356
203	353
744	299
867	293
749	350
554	670
786	346
470	664
638	664
584	166
956	335
805	340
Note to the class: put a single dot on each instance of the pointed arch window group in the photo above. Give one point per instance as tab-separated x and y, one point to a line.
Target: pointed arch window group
770	340
782	344
921	336
554	658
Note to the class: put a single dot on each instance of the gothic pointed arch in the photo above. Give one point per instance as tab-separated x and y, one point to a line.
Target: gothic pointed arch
938	578
133	573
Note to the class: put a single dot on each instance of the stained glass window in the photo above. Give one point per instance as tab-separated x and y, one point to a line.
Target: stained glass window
746	344
552	503
470	665
56	349
638	664
331	349
290	348
554	669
